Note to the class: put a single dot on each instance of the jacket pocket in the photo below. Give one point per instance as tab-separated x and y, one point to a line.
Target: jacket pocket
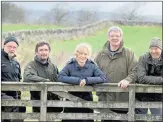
4	68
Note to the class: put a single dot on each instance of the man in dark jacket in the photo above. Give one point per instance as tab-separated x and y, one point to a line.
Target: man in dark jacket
10	71
42	70
150	69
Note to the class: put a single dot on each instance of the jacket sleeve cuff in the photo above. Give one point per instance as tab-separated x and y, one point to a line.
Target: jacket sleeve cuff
79	80
129	79
86	80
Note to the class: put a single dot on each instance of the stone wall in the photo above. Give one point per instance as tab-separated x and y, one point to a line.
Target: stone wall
57	34
69	33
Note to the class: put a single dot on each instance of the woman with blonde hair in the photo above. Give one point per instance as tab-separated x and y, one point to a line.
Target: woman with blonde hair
81	70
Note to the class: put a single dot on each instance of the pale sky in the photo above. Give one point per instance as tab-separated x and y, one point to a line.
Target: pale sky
150	8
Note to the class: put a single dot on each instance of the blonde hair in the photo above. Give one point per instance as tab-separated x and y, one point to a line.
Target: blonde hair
83	46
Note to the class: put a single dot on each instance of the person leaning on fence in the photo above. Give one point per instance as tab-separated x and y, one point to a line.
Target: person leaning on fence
10	72
120	64
81	70
150	70
41	69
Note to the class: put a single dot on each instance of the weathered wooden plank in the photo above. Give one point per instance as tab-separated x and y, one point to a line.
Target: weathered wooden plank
148	105
87	104
53	116
86	88
78	88
131	109
148	89
14	115
52	86
148	117
76	104
21	87
36	103
43	104
64	84
14	87
82	116
71	116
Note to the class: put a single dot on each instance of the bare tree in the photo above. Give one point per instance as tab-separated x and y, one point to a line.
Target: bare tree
45	18
86	17
131	11
5	10
58	13
12	13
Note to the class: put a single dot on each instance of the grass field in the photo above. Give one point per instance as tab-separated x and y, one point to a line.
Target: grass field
135	37
15	27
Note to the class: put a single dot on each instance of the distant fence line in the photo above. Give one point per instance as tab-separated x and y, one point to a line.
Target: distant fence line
133	22
69	33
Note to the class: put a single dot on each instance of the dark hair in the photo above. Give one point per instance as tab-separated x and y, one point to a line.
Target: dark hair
40	44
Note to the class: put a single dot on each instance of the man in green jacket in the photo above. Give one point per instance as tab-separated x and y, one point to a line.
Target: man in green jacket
150	71
42	70
119	64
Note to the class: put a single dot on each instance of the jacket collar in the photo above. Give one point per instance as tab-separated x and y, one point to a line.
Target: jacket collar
6	55
86	65
37	59
107	51
151	61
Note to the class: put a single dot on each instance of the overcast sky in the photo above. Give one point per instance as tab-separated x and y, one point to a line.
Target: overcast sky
150	8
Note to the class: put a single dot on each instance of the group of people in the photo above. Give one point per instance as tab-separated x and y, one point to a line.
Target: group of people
114	64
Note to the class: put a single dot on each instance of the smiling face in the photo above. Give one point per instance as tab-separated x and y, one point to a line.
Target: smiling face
43	52
155	52
115	38
82	52
82	56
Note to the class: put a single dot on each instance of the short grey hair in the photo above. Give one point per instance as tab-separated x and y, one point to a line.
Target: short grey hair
115	28
82	46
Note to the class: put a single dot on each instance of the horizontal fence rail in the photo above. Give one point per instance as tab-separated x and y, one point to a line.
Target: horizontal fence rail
62	90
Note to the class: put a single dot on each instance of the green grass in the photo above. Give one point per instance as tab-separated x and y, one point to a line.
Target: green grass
16	27
97	40
135	37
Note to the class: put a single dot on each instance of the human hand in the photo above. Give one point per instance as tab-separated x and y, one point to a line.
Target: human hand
123	84
82	82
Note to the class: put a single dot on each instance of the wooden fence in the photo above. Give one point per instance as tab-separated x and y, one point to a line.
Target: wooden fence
62	89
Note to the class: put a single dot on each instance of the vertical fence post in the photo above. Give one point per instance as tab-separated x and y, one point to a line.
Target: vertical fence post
43	103
131	109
